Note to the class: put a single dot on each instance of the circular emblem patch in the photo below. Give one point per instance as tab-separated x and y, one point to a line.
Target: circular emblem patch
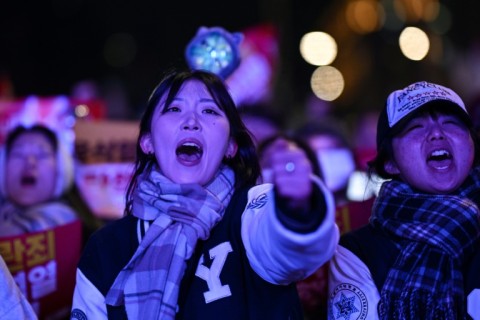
348	302
78	314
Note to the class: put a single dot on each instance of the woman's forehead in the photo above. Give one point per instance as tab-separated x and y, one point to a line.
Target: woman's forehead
31	137
189	88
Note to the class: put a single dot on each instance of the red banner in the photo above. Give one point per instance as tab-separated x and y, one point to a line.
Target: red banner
43	265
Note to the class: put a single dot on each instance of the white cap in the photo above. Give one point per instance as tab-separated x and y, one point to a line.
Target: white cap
401	103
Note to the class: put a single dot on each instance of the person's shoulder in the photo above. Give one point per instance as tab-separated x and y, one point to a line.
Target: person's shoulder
117	227
107	251
113	242
367	242
115	233
374	247
351	236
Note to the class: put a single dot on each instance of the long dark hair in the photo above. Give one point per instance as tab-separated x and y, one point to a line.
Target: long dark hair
245	163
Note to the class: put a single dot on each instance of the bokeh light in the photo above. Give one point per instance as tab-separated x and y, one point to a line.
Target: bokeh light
431	9
327	83
82	111
318	48
414	43
364	16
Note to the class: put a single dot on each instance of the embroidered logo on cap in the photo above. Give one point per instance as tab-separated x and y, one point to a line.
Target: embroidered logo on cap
401	102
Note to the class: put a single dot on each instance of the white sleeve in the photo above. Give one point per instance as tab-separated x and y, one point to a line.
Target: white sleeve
87	300
280	255
351	290
13	304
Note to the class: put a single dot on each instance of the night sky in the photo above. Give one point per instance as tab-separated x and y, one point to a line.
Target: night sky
48	46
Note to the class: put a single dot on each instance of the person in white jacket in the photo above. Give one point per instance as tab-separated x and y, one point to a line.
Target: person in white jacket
200	240
419	256
13	304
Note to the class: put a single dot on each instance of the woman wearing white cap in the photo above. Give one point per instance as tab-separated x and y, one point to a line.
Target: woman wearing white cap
419	256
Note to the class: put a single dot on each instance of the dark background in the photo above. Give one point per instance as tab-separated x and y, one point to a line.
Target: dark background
48	46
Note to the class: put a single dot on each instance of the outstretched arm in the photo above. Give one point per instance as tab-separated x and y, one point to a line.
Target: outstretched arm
292	232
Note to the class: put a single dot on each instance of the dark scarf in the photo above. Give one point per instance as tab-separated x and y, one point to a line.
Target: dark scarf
183	213
435	234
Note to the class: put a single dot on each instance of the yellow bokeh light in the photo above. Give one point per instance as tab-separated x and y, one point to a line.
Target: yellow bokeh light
416	10
365	16
432	10
318	48
327	83
414	43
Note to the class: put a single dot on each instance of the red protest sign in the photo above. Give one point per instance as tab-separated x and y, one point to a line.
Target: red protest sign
43	265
